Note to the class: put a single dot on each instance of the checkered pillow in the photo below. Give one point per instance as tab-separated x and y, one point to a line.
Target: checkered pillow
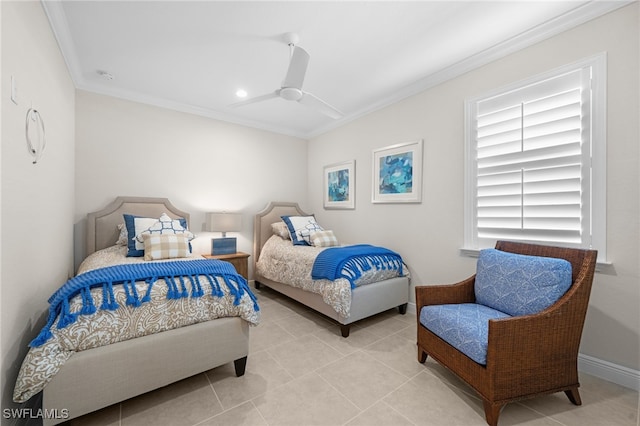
165	246
324	238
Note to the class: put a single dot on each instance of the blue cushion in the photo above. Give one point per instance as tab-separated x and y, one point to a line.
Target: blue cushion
464	326
518	284
134	250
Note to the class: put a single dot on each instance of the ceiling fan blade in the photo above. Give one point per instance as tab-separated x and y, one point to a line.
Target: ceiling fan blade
256	99
297	68
314	102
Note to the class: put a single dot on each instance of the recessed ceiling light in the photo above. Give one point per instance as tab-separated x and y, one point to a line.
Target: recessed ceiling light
104	74
241	93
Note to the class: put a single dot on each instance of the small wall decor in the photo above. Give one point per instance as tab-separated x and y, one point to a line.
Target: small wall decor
339	185
397	173
34	133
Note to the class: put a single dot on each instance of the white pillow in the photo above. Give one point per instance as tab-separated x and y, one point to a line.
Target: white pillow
164	225
300	227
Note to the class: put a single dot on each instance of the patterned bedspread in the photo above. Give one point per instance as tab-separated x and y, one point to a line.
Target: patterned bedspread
285	263
106	327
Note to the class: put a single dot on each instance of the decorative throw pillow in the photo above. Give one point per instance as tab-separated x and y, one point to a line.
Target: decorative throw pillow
122	236
518	284
323	239
300	228
281	230
137	224
165	225
165	246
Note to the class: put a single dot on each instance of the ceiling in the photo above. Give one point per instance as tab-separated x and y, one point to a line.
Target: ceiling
364	55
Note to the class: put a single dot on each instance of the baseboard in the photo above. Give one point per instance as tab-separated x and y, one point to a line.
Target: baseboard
609	371
605	370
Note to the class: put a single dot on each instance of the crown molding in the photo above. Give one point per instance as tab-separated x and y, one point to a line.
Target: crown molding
584	13
560	24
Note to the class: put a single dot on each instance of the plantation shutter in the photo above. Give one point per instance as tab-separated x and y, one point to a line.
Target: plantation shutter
533	161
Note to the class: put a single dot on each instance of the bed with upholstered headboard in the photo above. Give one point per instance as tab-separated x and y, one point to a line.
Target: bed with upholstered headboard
366	300
98	377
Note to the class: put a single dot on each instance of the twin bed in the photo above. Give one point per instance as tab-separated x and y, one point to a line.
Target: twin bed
206	316
379	292
90	379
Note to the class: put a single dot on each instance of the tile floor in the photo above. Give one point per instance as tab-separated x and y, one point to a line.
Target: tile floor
302	372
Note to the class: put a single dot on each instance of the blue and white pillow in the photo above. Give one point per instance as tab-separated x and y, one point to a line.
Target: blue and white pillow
519	284
300	228
137	225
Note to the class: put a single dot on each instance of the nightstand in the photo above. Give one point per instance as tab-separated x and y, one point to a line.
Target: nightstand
239	260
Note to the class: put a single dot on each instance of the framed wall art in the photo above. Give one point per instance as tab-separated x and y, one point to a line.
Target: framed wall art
397	173
339	185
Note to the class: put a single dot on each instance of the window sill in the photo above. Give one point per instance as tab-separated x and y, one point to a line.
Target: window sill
604	267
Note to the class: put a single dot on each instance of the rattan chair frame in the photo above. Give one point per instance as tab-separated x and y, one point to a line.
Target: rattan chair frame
527	356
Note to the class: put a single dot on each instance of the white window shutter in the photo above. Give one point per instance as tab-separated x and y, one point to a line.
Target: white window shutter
529	156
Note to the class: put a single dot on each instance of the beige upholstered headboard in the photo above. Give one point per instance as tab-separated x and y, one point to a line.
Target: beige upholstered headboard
102	226
263	220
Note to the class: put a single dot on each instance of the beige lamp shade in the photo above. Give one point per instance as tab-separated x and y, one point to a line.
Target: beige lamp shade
224	222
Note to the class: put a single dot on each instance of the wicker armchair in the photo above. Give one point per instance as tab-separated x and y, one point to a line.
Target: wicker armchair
527	356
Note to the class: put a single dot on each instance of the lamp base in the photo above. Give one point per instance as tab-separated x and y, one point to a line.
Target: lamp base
223	246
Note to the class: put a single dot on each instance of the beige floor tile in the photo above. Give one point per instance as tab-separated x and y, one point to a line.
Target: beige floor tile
263	373
361	378
425	400
383	325
109	416
266	335
301	323
398	353
592	412
274	312
304	354
358	339
243	415
186	402
307	400
380	414
593	387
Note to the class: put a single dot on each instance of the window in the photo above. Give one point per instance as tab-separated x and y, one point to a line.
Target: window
535	161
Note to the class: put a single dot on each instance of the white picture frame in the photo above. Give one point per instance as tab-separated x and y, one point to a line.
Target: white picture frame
339	185
397	173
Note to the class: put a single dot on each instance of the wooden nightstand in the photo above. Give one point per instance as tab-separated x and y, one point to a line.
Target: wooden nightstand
239	260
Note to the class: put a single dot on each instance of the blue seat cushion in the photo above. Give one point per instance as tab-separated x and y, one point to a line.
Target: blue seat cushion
519	284
465	326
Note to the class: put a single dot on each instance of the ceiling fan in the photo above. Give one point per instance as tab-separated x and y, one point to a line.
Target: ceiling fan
291	88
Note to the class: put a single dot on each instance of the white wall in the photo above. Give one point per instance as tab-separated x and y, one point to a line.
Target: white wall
37	199
429	235
200	164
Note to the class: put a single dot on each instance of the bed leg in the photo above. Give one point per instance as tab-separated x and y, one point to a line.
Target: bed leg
403	308
240	364
344	329
257	285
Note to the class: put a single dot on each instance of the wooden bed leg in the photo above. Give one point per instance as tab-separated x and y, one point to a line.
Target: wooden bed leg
240	364
344	329
403	308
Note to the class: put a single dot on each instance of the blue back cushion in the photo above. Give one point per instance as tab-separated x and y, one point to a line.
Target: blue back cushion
517	284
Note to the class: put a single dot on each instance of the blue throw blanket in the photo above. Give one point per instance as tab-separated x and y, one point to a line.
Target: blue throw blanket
351	261
174	273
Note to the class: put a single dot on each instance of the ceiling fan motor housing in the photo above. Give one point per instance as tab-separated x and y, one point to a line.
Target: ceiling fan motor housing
291	93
